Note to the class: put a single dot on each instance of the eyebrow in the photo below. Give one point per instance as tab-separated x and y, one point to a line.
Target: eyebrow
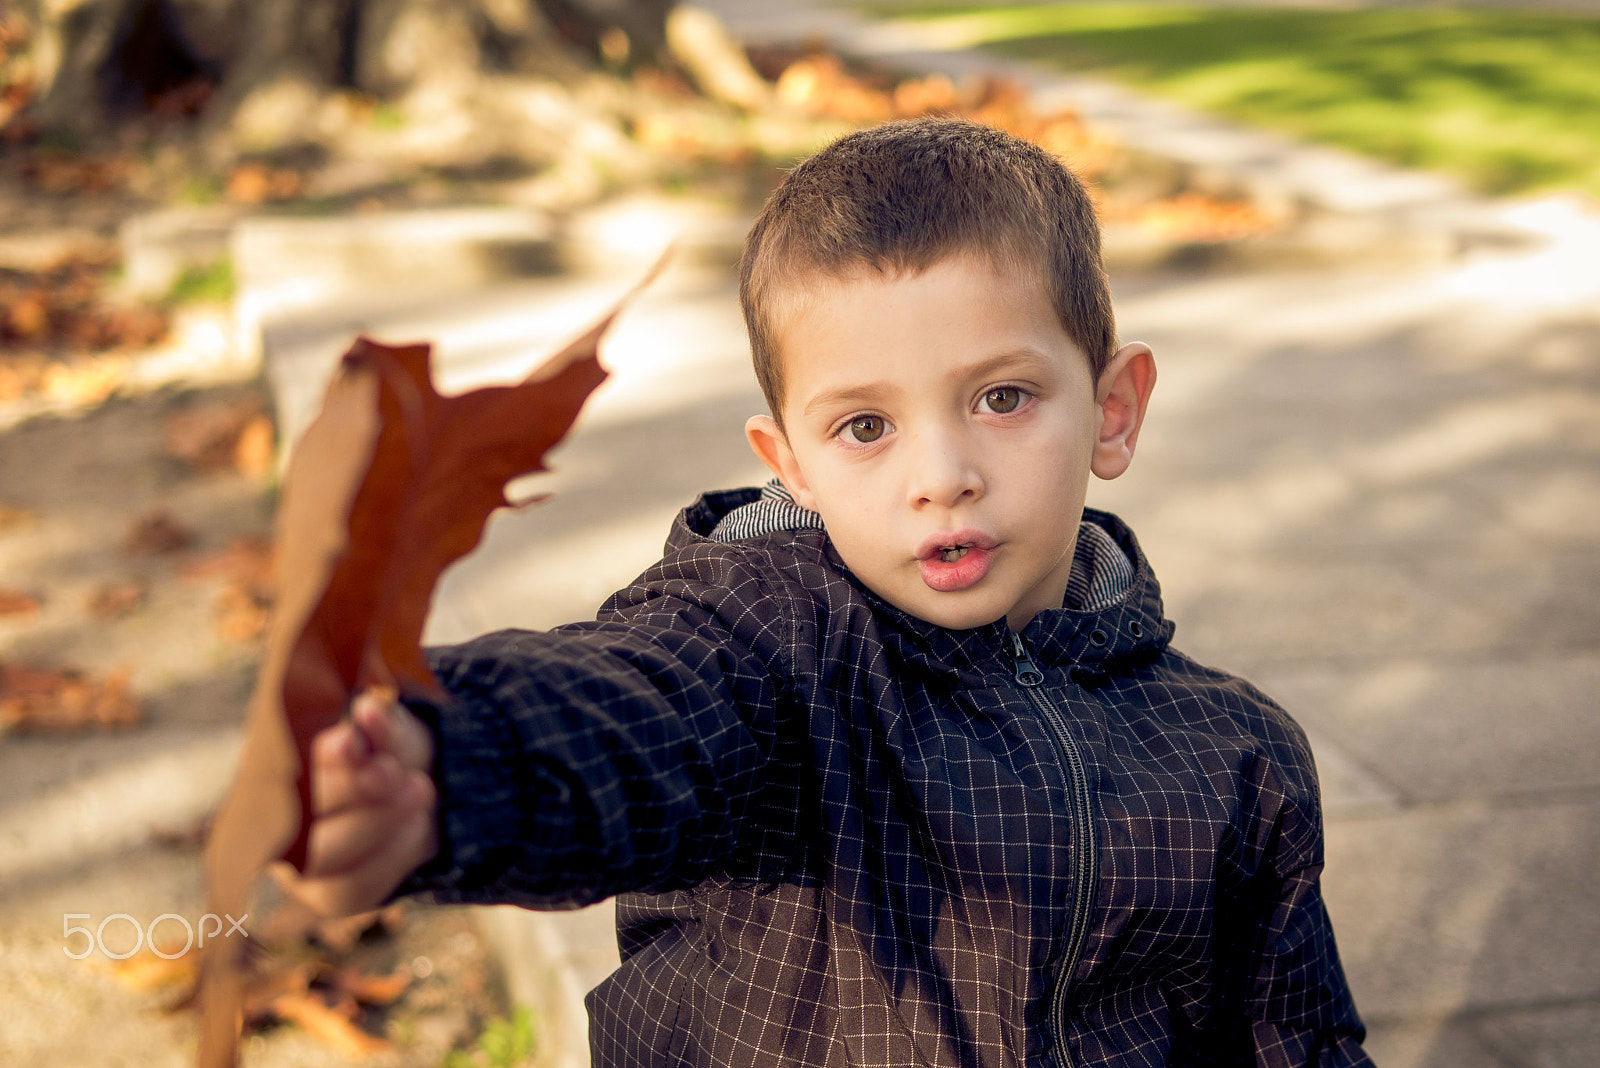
867	392
847	396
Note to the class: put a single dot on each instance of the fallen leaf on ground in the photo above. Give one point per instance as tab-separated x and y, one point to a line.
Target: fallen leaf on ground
17	603
148	972
375	989
244	602
241	614
114	600
157	534
15	518
249	558
41	700
66	173
256	450
332	1025
65	309
184	837
293	973
257	183
83	382
206	437
1200	218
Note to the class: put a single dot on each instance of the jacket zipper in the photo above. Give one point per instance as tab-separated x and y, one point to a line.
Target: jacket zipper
1085	856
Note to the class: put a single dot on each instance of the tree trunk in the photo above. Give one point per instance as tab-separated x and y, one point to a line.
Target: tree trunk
104	62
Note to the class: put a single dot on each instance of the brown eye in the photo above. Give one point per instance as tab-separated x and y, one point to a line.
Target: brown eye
865	429
1003	400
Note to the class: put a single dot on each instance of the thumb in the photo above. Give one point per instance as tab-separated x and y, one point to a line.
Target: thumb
390	727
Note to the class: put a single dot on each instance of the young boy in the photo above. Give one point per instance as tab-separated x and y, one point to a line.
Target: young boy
889	763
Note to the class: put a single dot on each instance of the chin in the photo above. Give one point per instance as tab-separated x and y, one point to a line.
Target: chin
955	616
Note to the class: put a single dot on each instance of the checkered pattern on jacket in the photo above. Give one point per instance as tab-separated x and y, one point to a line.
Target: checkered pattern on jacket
841	835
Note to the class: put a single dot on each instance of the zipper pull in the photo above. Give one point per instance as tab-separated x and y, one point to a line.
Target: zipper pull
1027	672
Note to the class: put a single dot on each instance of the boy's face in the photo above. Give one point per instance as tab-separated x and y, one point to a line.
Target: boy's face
945	427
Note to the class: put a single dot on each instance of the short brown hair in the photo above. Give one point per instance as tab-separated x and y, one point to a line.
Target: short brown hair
905	195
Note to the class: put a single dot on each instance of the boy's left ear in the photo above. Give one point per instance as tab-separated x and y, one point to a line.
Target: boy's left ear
1120	398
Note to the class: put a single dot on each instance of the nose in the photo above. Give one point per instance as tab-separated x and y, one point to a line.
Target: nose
944	469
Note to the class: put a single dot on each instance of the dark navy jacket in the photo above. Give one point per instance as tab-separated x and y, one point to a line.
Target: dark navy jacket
844	836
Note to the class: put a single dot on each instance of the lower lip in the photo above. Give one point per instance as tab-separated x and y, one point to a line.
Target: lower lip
953	575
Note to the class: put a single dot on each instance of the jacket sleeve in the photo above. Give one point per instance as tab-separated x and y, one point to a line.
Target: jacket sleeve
623	754
1305	1016
1300	1008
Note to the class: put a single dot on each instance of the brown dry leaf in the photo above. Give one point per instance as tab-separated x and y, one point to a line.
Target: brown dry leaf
115	600
187	98
257	183
83	382
332	1026
39	700
13	517
292	975
245	558
268	980
821	85
67	173
244	603
17	603
241	615
148	972
156	533
1200	218
374	989
20	375
183	837
256	450
206	437
28	316
65	308
390	484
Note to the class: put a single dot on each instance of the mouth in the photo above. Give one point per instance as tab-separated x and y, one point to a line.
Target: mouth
955	560
950	546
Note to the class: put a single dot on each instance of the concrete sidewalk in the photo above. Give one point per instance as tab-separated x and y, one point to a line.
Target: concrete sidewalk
1373	488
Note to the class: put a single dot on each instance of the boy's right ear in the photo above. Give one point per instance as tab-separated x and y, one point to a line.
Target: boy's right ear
771	446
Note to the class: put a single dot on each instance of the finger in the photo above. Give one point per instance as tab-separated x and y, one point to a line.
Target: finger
340	744
389	726
336	755
348	838
337	786
413	842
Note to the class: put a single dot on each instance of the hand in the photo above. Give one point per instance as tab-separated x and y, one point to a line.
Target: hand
372	820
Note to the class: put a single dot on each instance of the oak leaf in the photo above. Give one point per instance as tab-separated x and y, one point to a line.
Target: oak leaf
390	484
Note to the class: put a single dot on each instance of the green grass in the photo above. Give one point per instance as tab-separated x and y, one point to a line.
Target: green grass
1507	101
504	1043
212	283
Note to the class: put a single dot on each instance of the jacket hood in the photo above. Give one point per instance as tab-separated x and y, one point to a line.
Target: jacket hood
1094	643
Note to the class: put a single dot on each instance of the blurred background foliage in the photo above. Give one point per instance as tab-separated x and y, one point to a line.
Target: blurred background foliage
1504	99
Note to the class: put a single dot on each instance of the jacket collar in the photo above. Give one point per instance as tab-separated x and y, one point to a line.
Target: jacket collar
1092	644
